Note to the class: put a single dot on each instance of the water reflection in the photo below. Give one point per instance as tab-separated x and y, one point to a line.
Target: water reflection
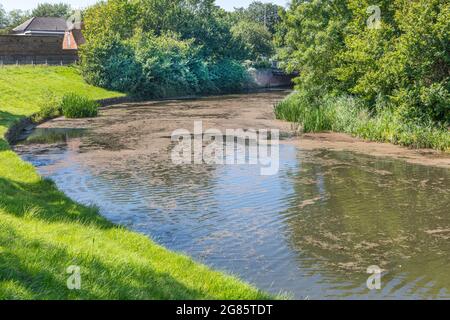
52	135
363	211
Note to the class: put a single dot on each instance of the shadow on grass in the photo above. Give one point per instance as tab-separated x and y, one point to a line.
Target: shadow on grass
4	145
39	269
44	201
6	118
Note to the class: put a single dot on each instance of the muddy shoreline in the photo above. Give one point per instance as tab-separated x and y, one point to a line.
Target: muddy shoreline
158	119
335	141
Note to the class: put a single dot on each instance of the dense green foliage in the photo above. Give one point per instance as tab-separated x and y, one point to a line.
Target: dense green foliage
266	14
256	40
158	66
401	65
3	17
160	48
52	10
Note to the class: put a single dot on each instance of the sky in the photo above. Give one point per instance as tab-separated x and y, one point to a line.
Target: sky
30	4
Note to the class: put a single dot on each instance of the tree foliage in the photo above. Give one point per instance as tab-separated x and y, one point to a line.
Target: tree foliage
404	63
266	14
52	10
17	17
3	17
199	20
159	48
256	40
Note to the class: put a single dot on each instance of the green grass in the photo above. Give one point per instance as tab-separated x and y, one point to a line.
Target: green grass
74	105
43	232
345	114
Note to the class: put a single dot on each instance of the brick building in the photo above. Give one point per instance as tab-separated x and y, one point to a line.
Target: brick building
42	40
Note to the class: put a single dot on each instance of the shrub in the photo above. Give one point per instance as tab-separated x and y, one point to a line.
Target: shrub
76	106
255	39
228	75
150	66
49	107
109	62
402	66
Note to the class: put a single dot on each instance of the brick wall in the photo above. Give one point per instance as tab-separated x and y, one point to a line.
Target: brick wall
35	49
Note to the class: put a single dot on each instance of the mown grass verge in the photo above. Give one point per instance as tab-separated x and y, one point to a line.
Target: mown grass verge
43	232
346	114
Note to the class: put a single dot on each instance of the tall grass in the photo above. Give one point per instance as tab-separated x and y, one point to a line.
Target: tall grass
347	114
78	106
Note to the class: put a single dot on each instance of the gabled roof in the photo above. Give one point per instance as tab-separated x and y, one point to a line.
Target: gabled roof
23	26
42	24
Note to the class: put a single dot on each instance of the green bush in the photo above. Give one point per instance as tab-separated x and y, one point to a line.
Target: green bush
255	38
150	66
164	48
398	73
77	106
109	62
168	66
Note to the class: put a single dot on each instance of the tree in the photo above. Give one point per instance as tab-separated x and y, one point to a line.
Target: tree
266	14
52	10
312	38
255	39
200	20
12	19
3	17
17	17
402	64
158	48
115	17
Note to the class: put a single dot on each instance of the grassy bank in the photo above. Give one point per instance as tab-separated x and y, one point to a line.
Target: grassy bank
43	232
345	114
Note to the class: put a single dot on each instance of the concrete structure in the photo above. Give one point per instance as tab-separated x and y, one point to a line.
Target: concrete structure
271	78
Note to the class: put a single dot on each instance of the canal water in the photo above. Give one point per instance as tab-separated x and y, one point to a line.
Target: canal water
309	231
